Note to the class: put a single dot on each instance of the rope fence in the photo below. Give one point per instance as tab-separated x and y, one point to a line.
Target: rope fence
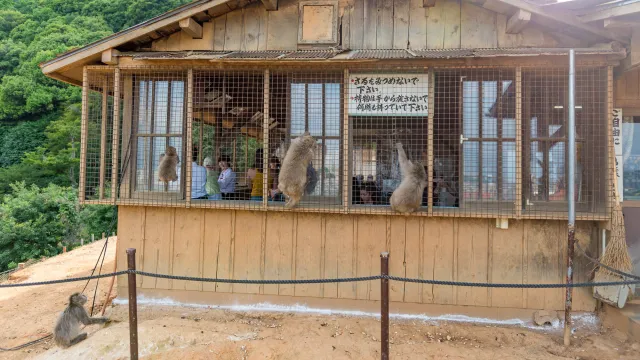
384	277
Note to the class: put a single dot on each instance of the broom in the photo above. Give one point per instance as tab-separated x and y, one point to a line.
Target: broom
616	253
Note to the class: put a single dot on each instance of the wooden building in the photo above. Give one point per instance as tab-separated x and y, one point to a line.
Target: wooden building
476	91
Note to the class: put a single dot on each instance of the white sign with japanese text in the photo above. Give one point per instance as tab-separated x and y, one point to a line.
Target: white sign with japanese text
617	148
388	94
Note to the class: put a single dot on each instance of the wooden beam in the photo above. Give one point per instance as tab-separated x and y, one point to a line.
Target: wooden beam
188	158
518	21
115	136
110	56
613	11
618	24
84	129
103	135
563	18
191	28
428	3
270	5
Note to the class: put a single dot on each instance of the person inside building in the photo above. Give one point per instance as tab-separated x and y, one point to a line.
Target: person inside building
274	168
212	187
198	179
227	178
255	176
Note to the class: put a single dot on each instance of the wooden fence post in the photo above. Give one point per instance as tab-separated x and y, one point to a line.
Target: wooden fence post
384	308
133	305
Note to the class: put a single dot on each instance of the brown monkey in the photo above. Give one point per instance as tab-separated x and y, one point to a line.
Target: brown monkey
66	332
167	166
407	198
293	172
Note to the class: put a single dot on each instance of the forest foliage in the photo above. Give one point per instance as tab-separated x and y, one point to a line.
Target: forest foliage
40	120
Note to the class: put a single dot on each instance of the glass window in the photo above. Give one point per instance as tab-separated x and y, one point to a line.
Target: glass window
159	106
631	157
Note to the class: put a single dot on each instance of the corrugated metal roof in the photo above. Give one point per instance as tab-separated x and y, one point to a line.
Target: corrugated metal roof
368	54
380	54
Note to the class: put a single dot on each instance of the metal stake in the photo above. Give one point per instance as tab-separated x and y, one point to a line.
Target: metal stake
384	308
571	124
133	305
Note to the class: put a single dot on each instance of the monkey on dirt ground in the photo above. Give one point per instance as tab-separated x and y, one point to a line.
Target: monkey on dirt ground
167	166
293	172
67	330
407	198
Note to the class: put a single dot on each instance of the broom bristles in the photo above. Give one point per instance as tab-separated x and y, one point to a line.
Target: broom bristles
616	253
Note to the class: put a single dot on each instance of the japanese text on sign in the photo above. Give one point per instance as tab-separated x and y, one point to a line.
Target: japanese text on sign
388	94
617	147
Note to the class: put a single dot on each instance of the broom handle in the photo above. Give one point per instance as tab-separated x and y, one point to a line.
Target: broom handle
113	278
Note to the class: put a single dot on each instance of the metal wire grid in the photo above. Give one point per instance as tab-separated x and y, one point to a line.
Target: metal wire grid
476	115
99	136
228	139
545	159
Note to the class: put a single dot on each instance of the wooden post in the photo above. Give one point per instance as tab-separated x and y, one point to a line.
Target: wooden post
116	137
346	177
518	200
432	101
189	140
20	266
93	238
266	187
103	236
384	310
84	128
64	249
42	258
103	135
133	305
81	242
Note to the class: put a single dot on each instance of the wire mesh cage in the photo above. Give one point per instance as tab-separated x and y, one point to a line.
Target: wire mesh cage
482	141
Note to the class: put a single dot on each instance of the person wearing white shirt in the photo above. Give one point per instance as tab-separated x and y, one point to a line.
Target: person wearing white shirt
227	178
198	179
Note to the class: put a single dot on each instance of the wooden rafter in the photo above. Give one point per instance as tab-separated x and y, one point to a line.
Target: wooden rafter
191	27
564	18
518	21
613	11
270	5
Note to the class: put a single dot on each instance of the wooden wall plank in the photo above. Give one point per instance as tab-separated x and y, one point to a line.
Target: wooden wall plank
345	28
340	245
587	237
205	43
412	259
356	24
234	30
443	25
478	27
130	235
279	252
384	26
507	264
226	256
473	246
283	25
370	24
251	27
186	247
308	254
247	250
543	263
173	42
371	241
430	233
397	256
335	228
443	253
417	25
157	249
219	32
217	230
401	24
264	30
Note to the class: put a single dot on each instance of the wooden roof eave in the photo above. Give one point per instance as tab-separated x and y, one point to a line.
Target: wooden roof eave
72	57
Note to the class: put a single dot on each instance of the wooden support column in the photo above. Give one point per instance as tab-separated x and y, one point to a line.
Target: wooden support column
191	28
519	180
610	178
518	21
103	134
84	128
189	141
116	137
126	151
346	156
430	155
266	187
200	141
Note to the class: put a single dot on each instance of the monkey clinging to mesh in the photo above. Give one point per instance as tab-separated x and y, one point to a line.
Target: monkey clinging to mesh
293	172
167	167
407	198
66	332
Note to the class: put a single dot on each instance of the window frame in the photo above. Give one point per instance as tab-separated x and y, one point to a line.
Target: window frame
136	135
306	79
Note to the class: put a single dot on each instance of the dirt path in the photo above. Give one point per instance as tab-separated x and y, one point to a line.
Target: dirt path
28	313
170	332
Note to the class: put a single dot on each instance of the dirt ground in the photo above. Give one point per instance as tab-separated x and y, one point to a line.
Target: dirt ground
170	332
